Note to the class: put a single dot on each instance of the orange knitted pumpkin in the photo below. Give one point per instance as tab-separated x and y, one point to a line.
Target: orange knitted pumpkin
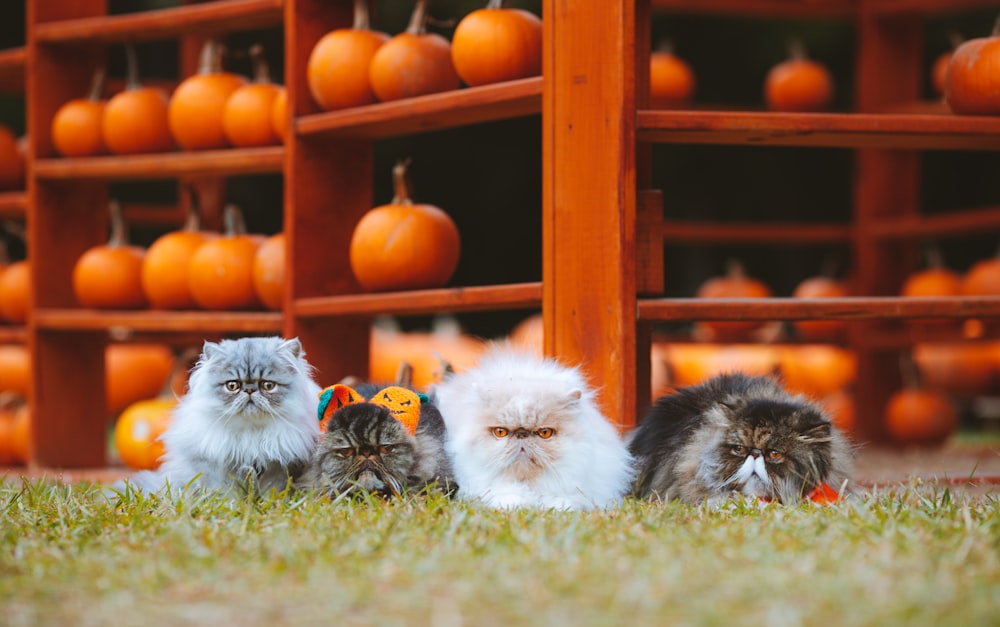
337	71
76	126
198	104
110	275
497	44
135	120
221	270
246	118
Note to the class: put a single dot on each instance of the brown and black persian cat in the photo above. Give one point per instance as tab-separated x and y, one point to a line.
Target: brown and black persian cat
391	443
738	434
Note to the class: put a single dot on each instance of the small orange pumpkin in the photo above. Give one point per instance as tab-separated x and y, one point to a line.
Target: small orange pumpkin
14	430
337	70
135	120
15	292
429	353
76	126
734	284
820	287
920	416
497	44
671	80
110	275
269	271
138	429
198	104
11	160
936	279
798	84
983	278
15	369
246	118
972	82
134	372
962	369
939	69
404	245
221	270
413	63
817	370
691	364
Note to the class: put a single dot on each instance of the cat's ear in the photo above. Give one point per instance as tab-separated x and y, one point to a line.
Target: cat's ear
209	350
574	396
815	428
293	346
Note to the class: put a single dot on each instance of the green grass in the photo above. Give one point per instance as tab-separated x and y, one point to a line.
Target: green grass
913	556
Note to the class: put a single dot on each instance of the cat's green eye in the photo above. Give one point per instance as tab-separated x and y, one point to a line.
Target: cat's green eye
775	456
739	450
233	386
268	386
499	432
545	433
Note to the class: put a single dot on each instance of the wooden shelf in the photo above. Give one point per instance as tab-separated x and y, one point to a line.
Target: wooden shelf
230	162
830	130
454	299
929	7
762	8
12	334
208	18
848	308
12	63
754	233
13	204
952	224
434	112
159	321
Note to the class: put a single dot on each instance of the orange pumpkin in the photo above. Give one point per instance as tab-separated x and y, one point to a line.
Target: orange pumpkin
939	69
934	280
404	245
198	104
972	82
413	63
798	84
10	405
138	429
76	126
982	279
691	364
840	407
165	272
820	330
497	44
110	275
817	370
15	369
963	369
15	292
429	353
134	372
220	273
671	80
734	284
529	334
269	272
20	435
135	120
279	113
246	118
11	160
337	70
920	416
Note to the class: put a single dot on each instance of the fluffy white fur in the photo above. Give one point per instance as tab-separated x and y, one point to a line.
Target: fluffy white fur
216	440
584	465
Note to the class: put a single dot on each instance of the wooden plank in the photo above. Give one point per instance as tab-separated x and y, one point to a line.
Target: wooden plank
846	308
12	63
158	321
589	195
649	242
415	302
208	18
13	204
762	8
754	232
830	130
954	223
929	8
433	112
13	334
230	162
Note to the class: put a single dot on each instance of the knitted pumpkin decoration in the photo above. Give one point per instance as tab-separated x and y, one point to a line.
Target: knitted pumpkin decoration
402	403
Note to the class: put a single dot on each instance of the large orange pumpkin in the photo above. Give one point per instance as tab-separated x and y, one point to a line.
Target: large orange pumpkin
428	353
691	364
972	82
269	271
798	84
138	429
337	71
198	104
15	292
246	118
963	369
817	370
735	283
413	63
11	160
135	120
920	416
110	275
134	372
497	44
820	330
220	273
671	80
76	126
404	245
165	268
15	369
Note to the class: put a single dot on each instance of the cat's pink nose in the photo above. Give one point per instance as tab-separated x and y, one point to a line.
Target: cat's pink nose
756	452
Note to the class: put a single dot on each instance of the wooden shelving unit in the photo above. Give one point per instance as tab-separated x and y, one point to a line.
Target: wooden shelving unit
603	230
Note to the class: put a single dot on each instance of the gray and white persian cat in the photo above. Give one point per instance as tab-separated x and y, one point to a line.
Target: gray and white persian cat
525	431
738	434
247	421
365	448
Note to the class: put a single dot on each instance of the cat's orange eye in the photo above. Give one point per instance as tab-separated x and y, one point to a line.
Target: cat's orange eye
268	386
344	452
500	432
775	456
739	450
233	386
545	433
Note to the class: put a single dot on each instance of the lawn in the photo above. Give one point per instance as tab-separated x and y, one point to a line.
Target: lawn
914	555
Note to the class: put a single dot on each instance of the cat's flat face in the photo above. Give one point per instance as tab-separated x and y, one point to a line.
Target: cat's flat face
250	378
364	448
773	450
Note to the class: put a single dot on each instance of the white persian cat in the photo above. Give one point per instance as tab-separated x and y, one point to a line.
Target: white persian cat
524	431
247	420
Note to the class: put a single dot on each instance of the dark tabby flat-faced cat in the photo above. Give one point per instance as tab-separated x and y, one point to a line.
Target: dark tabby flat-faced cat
736	434
388	444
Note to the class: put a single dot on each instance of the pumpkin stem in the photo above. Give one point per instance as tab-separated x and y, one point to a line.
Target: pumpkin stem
131	68
210	61
97	84
119	229
797	49
996	27
232	220
261	71
666	46
192	224
955	38
735	269
362	20
497	4
829	267
4	252
418	20
400	183
934	257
